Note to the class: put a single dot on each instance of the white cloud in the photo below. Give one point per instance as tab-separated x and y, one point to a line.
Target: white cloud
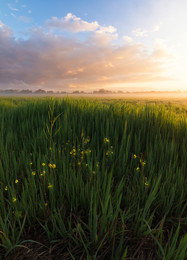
72	23
107	29
12	8
144	33
161	50
139	32
102	35
128	39
156	28
75	24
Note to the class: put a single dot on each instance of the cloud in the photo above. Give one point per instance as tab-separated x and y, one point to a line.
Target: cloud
12	8
144	33
72	23
102	38
101	35
139	32
161	50
50	60
5	34
156	28
24	19
12	14
127	39
75	24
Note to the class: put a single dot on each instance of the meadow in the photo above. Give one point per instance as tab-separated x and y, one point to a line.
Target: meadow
92	179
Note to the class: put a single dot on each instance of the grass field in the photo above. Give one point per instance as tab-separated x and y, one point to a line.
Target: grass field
92	179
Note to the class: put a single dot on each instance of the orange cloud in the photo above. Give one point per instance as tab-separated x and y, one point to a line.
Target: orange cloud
52	61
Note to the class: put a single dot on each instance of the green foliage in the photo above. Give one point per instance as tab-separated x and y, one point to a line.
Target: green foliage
98	174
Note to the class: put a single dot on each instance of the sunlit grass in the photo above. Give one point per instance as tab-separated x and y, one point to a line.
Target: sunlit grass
104	177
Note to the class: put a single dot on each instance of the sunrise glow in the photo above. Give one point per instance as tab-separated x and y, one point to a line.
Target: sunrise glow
126	45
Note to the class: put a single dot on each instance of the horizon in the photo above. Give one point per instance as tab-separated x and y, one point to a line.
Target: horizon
135	46
100	91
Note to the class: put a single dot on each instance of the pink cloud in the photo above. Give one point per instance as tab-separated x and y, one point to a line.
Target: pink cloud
52	61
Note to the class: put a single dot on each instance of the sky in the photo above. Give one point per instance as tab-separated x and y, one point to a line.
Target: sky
129	45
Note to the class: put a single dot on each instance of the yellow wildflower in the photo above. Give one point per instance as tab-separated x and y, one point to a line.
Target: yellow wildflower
50	186
30	163
13	199
93	172
87	140
16	181
50	165
6	188
46	204
106	140
43	164
134	156
138	168
143	163
33	173
54	166
79	163
146	183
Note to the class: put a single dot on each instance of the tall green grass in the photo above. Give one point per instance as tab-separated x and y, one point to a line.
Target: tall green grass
114	183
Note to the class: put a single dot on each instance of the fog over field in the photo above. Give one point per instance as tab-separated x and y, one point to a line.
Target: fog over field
166	96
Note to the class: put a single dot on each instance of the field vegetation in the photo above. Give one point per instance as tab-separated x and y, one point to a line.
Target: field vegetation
92	179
